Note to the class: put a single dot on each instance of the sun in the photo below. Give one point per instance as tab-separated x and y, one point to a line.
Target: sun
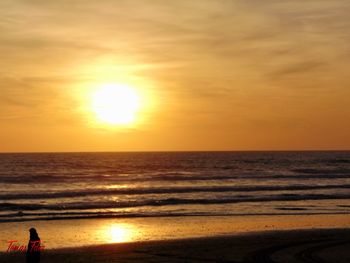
116	104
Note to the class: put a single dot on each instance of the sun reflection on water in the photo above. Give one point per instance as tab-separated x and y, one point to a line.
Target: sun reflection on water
119	233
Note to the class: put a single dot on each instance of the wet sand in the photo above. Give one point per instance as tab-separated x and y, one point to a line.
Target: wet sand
85	232
315	245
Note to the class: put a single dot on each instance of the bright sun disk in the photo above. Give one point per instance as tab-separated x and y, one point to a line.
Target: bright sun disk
116	104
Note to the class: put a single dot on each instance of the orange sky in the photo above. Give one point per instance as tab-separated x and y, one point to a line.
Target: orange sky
213	75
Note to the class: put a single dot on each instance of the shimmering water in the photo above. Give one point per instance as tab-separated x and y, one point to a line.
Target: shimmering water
79	185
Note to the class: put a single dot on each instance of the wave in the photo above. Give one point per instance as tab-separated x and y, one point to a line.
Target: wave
314	171
165	190
303	174
100	215
165	202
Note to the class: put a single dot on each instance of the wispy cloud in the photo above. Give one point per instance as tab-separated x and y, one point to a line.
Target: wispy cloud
239	61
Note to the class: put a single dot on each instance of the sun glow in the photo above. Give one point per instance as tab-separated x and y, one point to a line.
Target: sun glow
118	233
116	104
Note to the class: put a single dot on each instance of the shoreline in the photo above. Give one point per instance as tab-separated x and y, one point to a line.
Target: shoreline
131	216
86	232
307	245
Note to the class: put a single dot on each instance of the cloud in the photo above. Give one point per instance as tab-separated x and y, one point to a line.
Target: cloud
220	60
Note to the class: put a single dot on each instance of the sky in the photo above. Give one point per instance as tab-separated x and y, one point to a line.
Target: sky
211	75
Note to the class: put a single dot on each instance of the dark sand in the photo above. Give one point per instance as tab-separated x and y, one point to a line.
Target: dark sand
323	245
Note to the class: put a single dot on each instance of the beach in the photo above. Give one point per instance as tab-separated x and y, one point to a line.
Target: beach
296	238
174	131
177	207
326	245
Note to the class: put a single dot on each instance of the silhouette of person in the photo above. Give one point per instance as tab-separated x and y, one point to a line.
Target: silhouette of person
33	249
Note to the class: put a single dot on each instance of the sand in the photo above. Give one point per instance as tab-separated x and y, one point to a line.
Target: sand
313	245
85	232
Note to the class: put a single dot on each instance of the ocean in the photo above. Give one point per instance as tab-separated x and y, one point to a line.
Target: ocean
47	186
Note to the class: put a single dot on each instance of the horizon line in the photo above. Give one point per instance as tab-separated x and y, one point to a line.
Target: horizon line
176	151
